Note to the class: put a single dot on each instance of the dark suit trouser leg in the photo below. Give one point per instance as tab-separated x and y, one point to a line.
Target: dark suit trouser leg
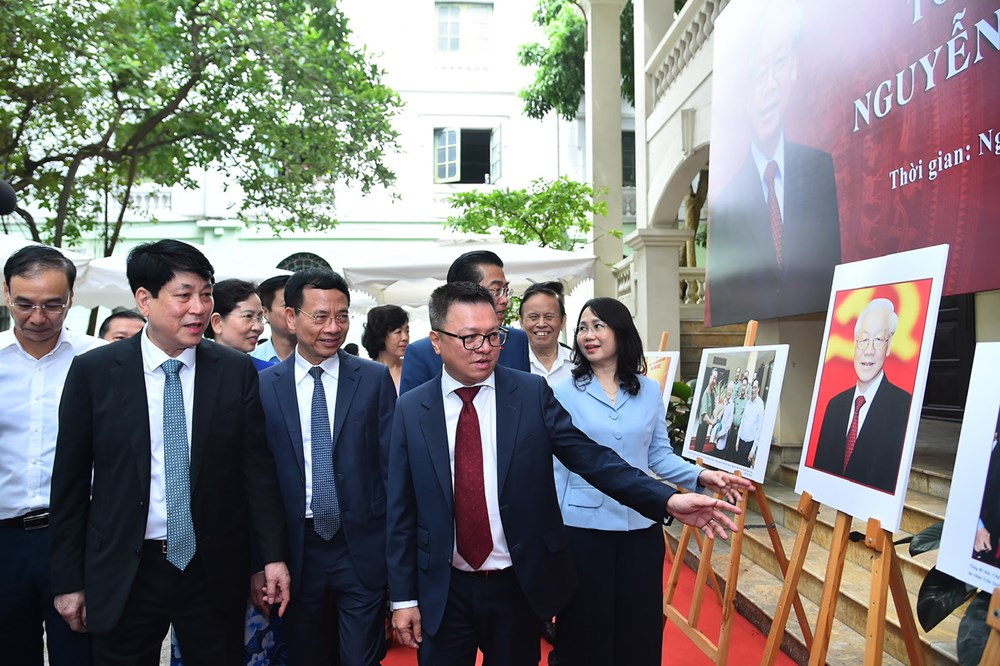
208	633
331	595
26	603
615	615
700	436
489	613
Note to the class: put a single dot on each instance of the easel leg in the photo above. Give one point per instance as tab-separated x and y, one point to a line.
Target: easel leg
729	602
991	655
878	603
808	508
831	587
907	623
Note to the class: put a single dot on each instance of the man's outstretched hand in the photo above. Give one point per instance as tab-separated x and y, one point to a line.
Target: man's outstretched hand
703	512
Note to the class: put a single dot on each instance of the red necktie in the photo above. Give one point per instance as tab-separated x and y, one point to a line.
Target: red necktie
852	434
472	520
772	203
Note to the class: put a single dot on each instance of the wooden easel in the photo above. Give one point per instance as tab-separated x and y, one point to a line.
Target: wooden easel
688	624
886	577
991	655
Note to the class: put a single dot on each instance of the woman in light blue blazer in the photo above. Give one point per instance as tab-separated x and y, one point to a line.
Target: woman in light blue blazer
615	616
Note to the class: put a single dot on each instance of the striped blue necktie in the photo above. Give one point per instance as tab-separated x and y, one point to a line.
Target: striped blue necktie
325	506
180	529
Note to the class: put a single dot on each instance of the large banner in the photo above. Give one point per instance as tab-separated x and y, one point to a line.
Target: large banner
849	130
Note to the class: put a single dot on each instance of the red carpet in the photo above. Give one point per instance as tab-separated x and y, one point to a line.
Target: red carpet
746	645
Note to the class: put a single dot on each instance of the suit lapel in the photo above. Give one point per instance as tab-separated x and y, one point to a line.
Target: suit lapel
286	398
508	410
207	381
347	386
129	383
432	426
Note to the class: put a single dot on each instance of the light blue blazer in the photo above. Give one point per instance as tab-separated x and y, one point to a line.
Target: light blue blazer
635	428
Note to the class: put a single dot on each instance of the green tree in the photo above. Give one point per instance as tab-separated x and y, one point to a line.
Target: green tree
550	213
96	97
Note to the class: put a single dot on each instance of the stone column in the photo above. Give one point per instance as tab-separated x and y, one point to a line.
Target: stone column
603	117
656	281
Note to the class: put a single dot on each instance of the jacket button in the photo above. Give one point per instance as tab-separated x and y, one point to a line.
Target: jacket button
138	552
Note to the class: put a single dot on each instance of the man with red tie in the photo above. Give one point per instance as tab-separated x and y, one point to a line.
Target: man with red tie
863	429
478	554
987	547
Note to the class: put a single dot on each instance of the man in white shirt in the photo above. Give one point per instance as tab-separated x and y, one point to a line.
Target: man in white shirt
34	358
750	427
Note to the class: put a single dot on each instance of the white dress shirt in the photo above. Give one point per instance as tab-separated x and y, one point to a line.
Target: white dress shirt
562	368
485	403
304	386
152	358
863	412
29	418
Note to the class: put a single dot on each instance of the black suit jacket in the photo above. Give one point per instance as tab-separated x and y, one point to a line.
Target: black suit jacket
96	535
878	450
744	281
362	420
531	427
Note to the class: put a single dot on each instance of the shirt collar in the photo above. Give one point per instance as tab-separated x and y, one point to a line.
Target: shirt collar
153	357
331	366
9	339
872	388
449	384
760	160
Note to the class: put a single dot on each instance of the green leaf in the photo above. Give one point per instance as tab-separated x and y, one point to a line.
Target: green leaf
682	390
926	540
973	632
939	595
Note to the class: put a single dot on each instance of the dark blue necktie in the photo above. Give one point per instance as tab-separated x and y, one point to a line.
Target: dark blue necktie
325	507
180	530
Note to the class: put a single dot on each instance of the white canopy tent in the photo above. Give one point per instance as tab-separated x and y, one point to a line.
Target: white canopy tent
11	244
407	278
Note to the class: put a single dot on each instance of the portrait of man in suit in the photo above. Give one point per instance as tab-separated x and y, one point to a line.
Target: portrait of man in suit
328	415
162	481
478	555
484	268
864	427
987	545
774	230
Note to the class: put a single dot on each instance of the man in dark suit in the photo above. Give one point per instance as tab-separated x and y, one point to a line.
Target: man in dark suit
774	231
161	476
338	577
486	269
477	550
863	428
987	544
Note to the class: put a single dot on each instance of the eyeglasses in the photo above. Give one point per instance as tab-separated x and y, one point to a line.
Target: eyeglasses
598	327
878	343
497	292
249	318
474	341
549	317
342	318
48	309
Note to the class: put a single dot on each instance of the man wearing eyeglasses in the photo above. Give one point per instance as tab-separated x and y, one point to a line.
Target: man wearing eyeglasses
478	554
484	268
328	419
861	437
35	356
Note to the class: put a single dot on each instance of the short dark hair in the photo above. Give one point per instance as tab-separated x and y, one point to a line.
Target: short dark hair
152	265
227	294
316	278
382	320
631	361
467	267
269	287
553	289
351	348
455	292
31	260
121	314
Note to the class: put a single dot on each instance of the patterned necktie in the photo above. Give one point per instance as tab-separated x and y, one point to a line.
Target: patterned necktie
852	434
325	506
181	540
772	203
472	519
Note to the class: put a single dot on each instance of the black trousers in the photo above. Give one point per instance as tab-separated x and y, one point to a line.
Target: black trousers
489	613
331	601
26	604
616	614
209	631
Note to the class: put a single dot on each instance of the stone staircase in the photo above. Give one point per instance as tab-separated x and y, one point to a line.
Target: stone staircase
760	581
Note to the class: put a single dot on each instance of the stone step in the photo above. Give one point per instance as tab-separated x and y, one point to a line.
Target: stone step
853	595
